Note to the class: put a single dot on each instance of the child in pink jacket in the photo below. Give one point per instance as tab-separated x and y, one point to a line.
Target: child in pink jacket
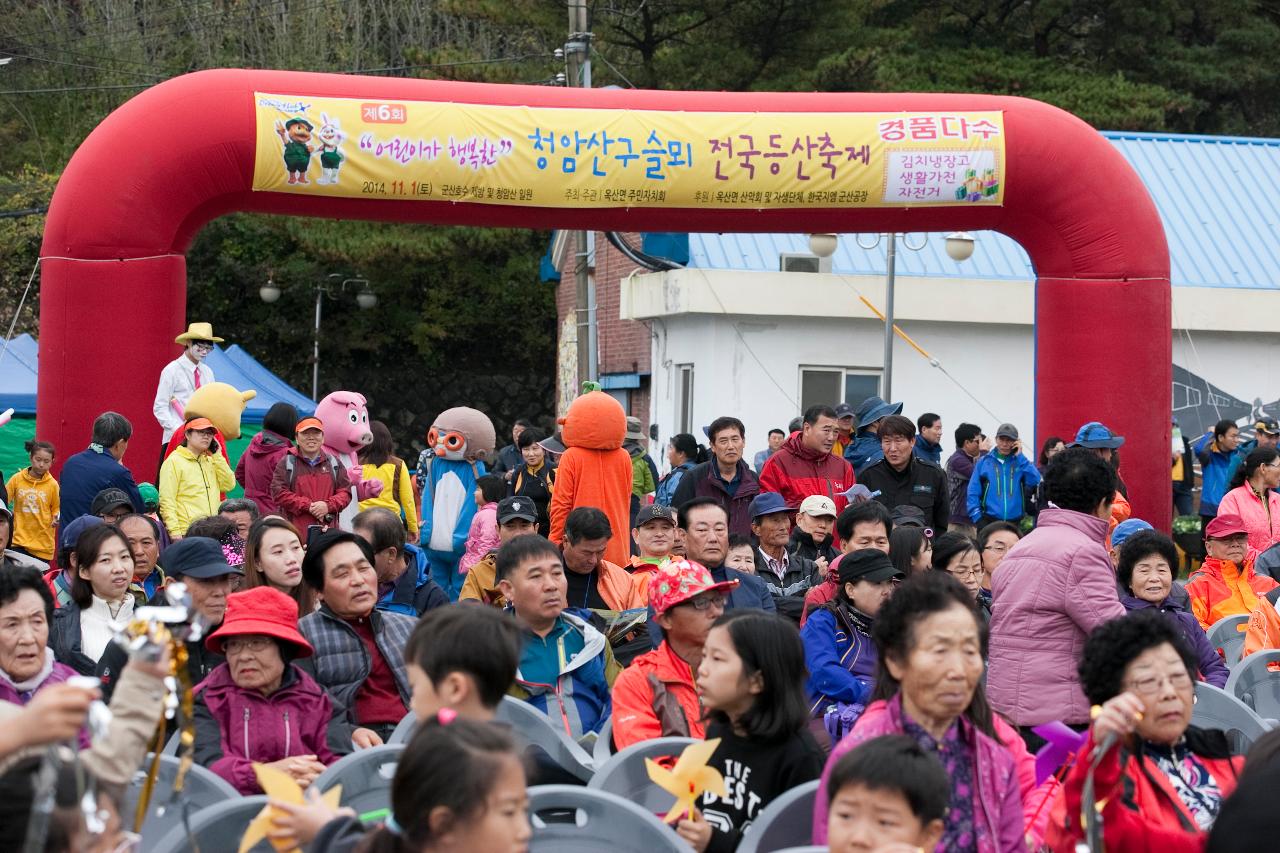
483	535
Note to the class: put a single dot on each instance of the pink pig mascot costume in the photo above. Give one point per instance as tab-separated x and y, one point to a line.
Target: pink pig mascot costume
346	429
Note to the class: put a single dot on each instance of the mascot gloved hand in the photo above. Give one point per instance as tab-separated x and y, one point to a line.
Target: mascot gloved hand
461	439
595	470
345	415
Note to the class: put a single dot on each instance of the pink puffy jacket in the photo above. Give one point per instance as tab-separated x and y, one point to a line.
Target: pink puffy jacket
1053	588
482	537
1263	531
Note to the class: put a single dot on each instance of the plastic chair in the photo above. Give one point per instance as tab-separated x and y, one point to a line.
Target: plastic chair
603	750
202	788
625	775
404	729
536	729
218	827
171	745
1253	683
1227	634
787	820
1217	709
599	821
365	777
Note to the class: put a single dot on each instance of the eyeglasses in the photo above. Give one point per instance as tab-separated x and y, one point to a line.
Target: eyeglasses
204	345
708	601
1151	685
1275	464
997	548
235	645
961	574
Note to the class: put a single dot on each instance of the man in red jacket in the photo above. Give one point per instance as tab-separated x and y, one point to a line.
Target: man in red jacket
309	485
805	465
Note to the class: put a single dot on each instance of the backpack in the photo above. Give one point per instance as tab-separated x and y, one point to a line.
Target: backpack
291	473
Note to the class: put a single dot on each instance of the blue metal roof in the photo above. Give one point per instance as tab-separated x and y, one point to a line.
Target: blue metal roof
1218	196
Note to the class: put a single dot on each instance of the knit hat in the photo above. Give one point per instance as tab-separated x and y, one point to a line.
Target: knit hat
261	610
677	581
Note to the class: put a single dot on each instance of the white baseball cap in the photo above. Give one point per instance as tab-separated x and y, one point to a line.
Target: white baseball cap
818	506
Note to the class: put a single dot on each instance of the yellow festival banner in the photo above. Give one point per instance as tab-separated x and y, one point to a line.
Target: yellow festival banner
551	157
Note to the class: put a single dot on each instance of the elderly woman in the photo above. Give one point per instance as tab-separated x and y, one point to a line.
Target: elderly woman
929	687
100	598
259	707
1145	572
1163	781
1253	497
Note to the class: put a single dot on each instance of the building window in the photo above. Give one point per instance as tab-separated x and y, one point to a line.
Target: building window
831	385
684	401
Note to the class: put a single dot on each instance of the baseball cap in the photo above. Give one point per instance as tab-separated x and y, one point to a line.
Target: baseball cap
196	557
198	424
109	499
655	512
150	496
844	410
907	515
867	564
1225	526
1267	424
1096	434
677	581
309	423
1127	528
517	507
818	506
71	532
5	510
1007	430
767	503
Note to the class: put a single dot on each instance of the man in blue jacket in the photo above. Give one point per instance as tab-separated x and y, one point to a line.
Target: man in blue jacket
999	478
404	576
865	448
98	467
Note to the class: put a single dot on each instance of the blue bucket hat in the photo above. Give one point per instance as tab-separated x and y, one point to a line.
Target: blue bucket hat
767	503
1127	528
1096	434
873	409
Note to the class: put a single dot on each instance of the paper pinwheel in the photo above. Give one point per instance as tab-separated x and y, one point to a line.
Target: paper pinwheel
689	778
279	785
1061	743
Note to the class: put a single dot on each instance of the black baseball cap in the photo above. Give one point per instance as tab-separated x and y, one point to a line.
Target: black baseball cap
109	499
517	507
867	564
655	512
197	557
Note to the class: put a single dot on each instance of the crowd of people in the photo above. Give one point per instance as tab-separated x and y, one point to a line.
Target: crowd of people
851	608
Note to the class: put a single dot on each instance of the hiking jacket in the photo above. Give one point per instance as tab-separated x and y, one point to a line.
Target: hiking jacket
325	481
1212	668
256	467
191	487
998	798
415	591
927	451
1049	593
236	728
655	697
538	488
396	494
840	656
89	472
1141	810
1221	588
341	662
704	481
796	472
481	583
1215	468
620	589
789	590
997	486
863	451
802	544
920	484
1264	530
959	470
579	701
666	488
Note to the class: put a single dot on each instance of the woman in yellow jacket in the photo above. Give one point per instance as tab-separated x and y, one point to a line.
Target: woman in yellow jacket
379	462
193	479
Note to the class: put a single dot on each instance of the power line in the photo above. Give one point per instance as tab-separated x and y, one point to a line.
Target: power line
63	62
59	89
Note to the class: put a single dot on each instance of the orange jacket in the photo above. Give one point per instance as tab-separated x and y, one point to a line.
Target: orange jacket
1120	511
622	590
1264	629
1221	589
646	689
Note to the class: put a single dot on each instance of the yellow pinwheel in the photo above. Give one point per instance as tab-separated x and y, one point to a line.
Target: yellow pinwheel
689	778
279	785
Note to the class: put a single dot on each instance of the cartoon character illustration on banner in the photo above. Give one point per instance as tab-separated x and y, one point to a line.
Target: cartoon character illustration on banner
330	137
462	439
295	135
345	416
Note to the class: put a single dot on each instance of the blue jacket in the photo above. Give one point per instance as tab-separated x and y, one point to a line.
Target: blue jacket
841	663
864	450
1215	469
414	592
667	485
448	505
89	472
996	486
927	450
580	701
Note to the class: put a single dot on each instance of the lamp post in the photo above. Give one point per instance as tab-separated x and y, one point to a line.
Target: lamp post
331	287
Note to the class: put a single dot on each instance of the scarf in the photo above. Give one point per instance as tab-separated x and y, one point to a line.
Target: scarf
26	688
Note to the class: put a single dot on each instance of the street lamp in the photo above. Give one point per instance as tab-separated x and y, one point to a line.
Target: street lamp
335	284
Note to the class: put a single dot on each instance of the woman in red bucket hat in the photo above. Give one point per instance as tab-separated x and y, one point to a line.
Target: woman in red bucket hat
259	706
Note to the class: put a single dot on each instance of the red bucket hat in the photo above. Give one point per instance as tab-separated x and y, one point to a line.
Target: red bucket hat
261	610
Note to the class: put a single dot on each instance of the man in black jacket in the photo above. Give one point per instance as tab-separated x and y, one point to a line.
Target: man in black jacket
902	478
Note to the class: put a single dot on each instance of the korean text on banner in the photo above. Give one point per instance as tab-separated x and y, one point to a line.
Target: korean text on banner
550	157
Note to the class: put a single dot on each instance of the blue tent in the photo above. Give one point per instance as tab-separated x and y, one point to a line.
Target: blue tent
231	365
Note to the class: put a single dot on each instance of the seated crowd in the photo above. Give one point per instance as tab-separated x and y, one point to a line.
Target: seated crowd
914	673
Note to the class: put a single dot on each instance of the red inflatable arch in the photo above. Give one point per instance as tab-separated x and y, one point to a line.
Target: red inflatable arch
182	153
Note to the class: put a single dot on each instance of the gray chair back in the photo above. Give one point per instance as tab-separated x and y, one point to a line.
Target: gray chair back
536	729
788	820
810	848
604	744
624	774
365	776
1253	683
201	789
1228	634
404	729
217	827
1217	709
572	819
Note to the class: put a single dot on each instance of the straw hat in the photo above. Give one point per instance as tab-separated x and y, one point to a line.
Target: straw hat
197	332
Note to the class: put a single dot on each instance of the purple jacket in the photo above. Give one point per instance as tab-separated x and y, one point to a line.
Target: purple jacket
959	470
1054	587
236	727
1212	668
256	467
57	675
997	799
